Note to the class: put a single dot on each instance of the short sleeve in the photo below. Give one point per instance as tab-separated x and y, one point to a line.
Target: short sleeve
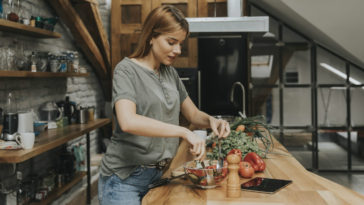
180	86
123	86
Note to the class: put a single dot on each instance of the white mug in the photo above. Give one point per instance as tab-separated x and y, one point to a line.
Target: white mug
54	65
25	139
201	133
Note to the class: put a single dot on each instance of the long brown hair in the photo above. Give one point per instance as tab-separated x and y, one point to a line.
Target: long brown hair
163	19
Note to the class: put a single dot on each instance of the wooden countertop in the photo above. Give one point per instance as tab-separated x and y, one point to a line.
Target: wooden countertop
307	188
50	139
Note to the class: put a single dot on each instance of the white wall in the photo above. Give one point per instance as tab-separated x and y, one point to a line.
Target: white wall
340	20
334	23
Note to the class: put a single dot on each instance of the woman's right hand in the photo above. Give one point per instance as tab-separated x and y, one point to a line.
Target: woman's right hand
198	145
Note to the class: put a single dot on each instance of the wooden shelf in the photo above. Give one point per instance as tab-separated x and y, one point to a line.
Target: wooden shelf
19	28
59	191
28	74
51	139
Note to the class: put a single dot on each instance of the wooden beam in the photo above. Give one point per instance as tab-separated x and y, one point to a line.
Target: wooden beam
80	33
115	33
90	15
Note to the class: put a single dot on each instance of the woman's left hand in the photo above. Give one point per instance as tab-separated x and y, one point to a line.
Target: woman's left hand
220	127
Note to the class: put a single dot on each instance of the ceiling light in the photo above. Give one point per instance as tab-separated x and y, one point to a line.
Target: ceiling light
339	73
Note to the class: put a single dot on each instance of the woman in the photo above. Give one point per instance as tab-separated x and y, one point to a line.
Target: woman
147	99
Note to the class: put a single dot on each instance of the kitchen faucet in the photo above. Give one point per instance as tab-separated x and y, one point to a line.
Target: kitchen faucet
237	83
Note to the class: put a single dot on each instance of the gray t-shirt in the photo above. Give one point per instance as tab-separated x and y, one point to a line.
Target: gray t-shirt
156	96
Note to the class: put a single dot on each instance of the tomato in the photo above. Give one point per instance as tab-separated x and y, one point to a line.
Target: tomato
240	128
246	170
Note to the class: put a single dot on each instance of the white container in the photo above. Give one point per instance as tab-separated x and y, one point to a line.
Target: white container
25	122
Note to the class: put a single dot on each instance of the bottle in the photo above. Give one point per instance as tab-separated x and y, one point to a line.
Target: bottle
10	118
10	104
33	61
32	21
70	57
75	62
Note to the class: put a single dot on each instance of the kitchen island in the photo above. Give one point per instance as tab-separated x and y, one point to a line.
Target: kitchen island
307	187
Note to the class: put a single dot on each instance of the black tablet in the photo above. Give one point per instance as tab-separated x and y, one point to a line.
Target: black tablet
265	185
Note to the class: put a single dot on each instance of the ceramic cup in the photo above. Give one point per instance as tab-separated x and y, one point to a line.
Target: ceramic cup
54	65
25	139
201	133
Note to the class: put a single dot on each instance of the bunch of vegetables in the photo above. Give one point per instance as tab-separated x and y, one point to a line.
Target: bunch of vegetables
243	141
236	140
257	129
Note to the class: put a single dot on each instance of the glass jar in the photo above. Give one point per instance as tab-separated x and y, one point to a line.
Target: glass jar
39	22
6	8
1	8
3	57
33	62
63	63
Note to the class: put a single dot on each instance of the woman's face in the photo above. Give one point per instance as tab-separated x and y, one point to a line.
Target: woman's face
166	47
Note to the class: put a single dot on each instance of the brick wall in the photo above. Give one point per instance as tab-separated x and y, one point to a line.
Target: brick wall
31	93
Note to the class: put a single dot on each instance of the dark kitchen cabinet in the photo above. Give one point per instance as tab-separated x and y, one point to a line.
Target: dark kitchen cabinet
189	78
222	61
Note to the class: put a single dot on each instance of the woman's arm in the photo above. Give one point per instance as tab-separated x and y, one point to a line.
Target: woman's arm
203	120
136	124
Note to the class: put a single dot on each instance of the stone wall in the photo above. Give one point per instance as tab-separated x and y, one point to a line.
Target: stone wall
31	93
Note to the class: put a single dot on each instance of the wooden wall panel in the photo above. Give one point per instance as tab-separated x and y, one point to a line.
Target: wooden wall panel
206	8
132	14
127	17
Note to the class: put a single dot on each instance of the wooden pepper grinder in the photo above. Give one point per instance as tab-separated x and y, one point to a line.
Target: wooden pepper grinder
233	182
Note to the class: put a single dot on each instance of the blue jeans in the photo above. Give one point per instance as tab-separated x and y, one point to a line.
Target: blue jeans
113	190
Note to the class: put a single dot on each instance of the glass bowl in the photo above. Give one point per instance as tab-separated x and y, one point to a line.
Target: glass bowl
206	178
